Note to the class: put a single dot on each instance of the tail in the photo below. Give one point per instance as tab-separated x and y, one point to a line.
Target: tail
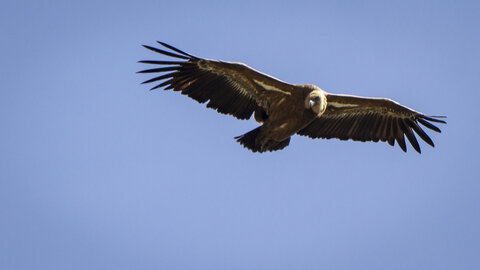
258	144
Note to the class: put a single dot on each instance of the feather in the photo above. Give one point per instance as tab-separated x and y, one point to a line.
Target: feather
165	52
420	132
399	136
175	49
410	136
433	118
429	125
161	62
155	70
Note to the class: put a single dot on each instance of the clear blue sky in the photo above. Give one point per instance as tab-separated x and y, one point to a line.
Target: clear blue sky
97	172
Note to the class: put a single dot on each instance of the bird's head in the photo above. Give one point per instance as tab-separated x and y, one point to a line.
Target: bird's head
316	101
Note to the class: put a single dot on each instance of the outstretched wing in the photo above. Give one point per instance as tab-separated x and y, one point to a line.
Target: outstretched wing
230	88
371	119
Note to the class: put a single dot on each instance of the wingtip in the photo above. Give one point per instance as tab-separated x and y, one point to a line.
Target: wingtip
435	118
176	50
162	43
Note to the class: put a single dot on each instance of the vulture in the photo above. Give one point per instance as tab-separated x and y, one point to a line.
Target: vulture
286	109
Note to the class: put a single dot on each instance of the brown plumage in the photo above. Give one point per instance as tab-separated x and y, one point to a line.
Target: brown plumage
285	109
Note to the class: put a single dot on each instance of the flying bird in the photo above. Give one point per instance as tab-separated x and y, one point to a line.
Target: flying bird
286	109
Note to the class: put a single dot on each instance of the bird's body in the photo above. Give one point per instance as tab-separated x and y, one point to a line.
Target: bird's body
278	126
286	109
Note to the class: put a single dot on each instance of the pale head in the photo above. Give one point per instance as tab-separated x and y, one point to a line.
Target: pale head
316	101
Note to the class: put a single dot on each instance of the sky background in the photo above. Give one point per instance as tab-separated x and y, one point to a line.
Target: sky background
97	172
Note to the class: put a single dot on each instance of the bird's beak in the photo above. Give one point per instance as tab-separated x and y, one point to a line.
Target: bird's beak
312	103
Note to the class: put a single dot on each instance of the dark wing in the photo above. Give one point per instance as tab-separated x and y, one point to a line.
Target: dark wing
230	88
370	119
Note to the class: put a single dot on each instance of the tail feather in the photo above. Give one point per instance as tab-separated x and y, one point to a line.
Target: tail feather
251	141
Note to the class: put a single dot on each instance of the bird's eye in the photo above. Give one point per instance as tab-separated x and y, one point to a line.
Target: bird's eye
316	99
